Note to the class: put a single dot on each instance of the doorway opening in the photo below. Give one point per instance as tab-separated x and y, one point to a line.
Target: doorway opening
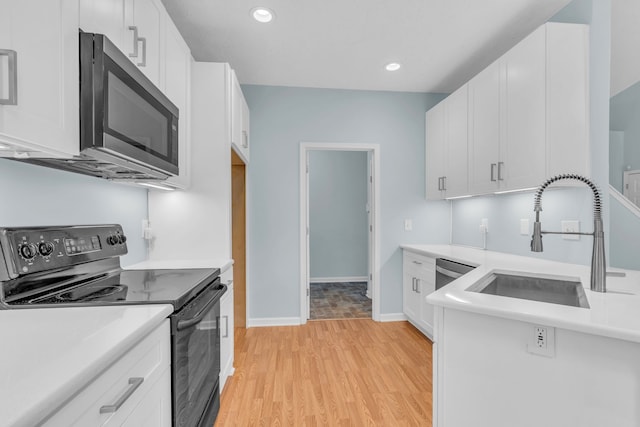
339	202
239	239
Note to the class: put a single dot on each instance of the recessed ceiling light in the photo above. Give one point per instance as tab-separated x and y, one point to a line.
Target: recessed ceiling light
262	14
392	66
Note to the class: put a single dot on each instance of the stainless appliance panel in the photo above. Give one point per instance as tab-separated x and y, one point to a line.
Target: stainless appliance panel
447	271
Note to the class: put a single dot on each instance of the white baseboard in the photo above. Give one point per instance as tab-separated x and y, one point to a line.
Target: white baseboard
393	317
338	279
273	321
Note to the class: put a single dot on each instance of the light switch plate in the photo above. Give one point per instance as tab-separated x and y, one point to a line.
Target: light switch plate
408	225
573	226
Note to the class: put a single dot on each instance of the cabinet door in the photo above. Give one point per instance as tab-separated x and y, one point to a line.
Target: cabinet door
44	34
427	285
177	77
567	99
484	132
106	17
237	105
456	181
435	132
246	121
147	16
522	152
226	337
410	296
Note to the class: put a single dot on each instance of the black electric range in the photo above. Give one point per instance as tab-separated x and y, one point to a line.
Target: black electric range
80	266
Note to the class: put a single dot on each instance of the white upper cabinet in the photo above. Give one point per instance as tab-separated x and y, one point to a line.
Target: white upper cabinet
446	148
567	99
135	26
177	87
42	37
239	120
528	115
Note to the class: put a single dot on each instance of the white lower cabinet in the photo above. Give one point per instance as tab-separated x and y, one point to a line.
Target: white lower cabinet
226	330
134	391
418	272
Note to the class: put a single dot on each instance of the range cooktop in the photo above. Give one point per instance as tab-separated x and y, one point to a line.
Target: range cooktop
81	266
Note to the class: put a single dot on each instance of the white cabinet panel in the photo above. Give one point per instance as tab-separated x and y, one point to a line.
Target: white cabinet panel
44	35
141	377
418	272
239	120
177	84
567	99
226	331
446	147
484	121
522	150
106	17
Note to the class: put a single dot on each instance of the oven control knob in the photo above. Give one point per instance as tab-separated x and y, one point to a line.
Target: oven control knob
28	251
122	239
45	248
112	240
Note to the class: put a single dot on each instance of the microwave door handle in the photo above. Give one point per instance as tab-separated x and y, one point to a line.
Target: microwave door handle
184	324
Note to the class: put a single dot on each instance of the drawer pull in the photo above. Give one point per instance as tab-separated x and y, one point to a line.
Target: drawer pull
417	285
417	262
134	383
413	284
12	77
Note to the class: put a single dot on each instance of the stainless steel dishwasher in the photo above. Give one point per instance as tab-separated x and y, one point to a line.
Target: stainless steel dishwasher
447	271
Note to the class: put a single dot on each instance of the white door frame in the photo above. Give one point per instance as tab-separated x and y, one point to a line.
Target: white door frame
305	148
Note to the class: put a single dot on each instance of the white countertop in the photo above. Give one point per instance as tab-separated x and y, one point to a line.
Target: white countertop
222	264
614	314
48	354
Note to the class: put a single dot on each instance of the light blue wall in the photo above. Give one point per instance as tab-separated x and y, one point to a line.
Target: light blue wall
35	195
625	232
505	211
616	160
282	118
338	238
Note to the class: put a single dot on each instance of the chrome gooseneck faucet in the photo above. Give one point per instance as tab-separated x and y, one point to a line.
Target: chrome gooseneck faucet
598	264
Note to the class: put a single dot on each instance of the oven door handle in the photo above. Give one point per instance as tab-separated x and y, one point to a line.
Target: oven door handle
184	324
448	273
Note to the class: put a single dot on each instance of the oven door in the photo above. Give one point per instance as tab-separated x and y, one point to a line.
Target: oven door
195	358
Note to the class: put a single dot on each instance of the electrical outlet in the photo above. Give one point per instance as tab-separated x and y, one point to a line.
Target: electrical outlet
542	341
484	225
408	225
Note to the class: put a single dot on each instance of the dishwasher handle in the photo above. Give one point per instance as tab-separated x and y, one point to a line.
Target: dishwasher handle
448	273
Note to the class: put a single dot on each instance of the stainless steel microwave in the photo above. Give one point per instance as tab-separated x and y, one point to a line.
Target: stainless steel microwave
128	127
124	117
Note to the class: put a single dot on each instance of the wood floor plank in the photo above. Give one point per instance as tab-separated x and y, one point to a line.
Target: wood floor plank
353	372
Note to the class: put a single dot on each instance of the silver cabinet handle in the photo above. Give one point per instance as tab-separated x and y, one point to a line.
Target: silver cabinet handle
413	284
245	139
226	327
12	77
417	262
134	383
134	54
493	171
500	165
417	285
439	183
444	183
143	63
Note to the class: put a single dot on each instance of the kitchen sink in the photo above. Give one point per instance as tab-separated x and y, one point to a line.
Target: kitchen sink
552	289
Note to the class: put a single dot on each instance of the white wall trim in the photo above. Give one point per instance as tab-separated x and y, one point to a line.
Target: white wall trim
624	201
393	317
273	321
338	279
305	147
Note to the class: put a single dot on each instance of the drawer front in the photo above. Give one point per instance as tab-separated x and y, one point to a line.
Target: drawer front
148	360
419	265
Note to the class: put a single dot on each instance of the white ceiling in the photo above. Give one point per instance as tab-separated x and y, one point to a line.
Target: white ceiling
346	43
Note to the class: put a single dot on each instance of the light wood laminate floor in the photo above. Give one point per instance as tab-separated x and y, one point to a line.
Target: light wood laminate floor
330	373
